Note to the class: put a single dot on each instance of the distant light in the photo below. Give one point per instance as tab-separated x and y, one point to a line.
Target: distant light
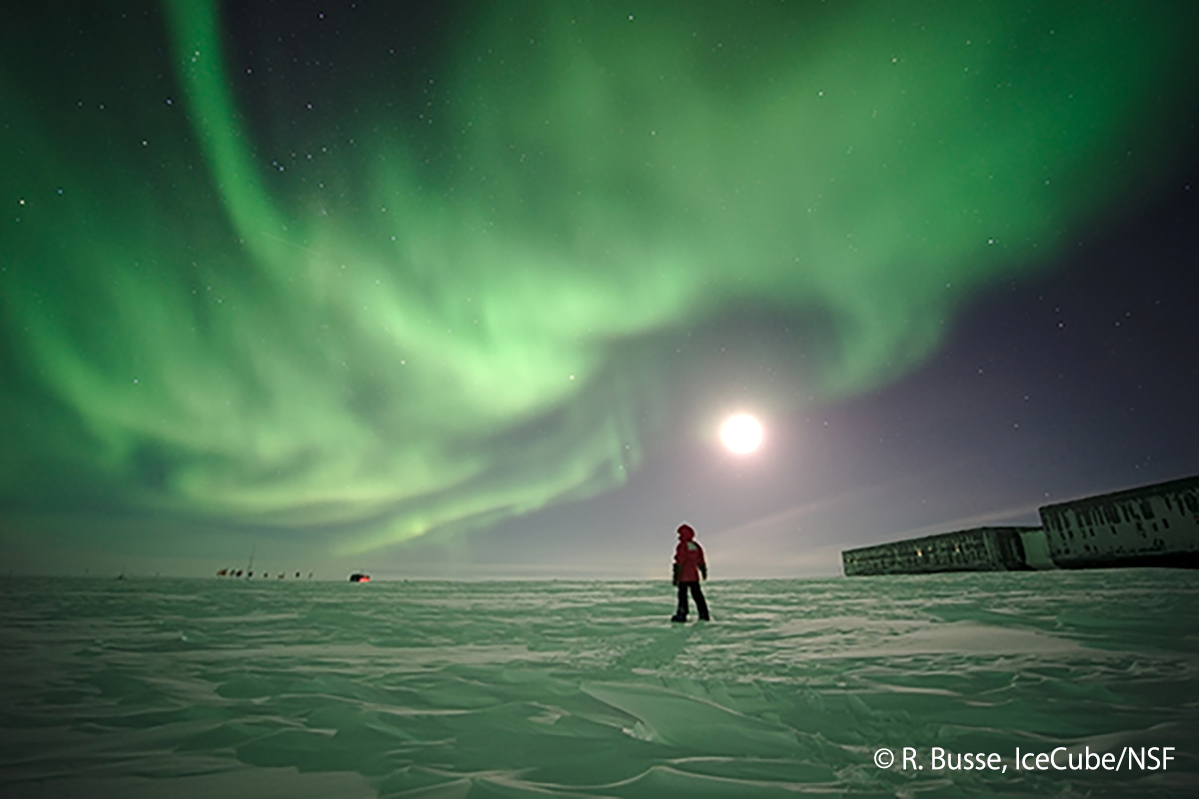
741	433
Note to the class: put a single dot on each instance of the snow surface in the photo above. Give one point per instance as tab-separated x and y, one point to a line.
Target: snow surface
199	688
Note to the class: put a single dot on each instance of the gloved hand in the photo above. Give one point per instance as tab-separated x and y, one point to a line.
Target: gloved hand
703	569
674	577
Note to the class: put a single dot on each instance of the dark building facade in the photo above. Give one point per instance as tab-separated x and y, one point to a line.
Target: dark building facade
1155	525
980	549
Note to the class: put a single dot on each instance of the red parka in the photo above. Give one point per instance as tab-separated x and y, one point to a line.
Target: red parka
689	557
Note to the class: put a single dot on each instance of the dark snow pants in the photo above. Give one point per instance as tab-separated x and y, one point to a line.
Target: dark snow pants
701	606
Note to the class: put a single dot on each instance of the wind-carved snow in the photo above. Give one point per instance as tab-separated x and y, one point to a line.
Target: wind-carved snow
190	688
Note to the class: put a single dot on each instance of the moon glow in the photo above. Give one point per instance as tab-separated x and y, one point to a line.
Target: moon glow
741	434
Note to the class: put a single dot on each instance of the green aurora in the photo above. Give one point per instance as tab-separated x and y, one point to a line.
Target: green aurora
360	328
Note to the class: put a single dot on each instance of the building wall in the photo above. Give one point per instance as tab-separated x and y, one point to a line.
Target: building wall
980	549
1156	525
1036	549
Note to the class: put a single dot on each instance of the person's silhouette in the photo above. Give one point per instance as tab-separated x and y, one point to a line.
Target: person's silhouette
689	564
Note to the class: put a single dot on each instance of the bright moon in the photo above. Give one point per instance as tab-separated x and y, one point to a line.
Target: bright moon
741	433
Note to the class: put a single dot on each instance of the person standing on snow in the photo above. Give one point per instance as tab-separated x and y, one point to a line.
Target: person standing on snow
689	564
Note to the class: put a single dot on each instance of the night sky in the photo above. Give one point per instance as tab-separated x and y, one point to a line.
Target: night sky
466	291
